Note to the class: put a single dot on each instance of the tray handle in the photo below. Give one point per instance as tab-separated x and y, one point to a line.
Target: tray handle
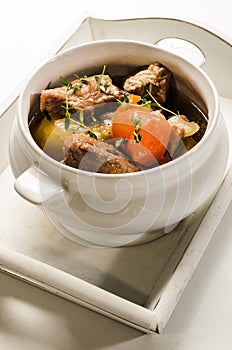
183	48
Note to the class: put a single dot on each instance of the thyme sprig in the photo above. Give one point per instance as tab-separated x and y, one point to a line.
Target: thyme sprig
120	141
72	86
79	122
157	104
102	84
112	151
146	102
136	120
80	81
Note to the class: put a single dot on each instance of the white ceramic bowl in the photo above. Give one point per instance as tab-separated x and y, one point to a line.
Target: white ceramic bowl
115	210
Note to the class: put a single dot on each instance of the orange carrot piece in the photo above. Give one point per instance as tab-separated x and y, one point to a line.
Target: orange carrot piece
150	128
134	99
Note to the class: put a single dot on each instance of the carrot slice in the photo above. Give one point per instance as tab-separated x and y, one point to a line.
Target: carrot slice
134	99
147	132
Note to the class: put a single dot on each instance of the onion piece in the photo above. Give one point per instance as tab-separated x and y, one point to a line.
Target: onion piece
181	122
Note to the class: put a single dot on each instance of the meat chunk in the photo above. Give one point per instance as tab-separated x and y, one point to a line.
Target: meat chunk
155	74
86	153
85	94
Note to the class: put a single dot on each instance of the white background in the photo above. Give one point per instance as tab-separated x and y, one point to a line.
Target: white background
33	319
28	29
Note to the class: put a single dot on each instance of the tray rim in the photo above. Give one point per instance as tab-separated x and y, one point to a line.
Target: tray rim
196	23
88	16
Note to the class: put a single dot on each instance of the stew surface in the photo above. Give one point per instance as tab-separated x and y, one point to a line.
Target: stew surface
112	123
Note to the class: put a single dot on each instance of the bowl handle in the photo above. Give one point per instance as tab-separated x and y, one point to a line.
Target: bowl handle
183	48
36	186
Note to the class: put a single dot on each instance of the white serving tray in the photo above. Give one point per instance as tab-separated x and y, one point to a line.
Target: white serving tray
141	285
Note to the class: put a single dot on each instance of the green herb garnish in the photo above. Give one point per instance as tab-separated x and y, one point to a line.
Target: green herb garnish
120	141
94	119
98	78
137	124
157	104
126	99
74	87
112	151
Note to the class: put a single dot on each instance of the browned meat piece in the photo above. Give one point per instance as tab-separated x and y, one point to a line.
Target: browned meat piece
83	97
155	74
86	153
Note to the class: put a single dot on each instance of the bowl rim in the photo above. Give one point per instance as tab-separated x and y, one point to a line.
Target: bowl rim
191	153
